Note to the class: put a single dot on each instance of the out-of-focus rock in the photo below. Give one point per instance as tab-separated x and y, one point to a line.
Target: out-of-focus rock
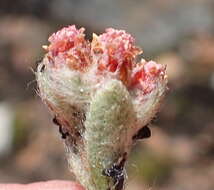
179	149
25	36
37	153
184	150
20	47
6	128
193	178
200	51
160	143
212	81
157	25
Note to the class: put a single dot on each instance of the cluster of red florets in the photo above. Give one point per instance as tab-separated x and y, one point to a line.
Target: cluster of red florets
145	74
118	50
69	46
113	51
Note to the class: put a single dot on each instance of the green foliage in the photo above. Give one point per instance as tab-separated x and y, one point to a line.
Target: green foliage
20	132
151	168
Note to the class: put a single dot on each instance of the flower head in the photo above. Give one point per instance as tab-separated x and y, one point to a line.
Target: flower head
115	51
101	97
68	46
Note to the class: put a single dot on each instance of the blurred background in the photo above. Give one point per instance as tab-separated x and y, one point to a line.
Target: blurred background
178	33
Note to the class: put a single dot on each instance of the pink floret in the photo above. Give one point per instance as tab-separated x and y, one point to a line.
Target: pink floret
119	47
153	69
115	51
65	39
68	46
146	75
